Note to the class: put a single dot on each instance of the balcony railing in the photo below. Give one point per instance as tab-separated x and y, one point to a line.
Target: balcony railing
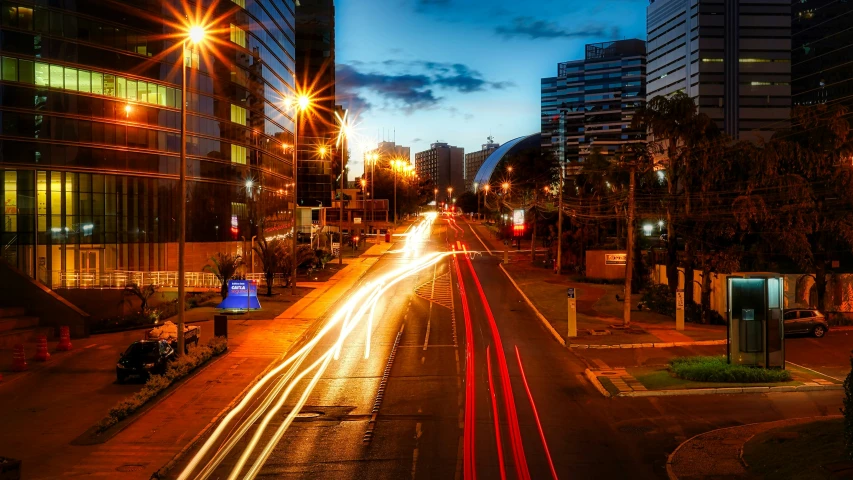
123	278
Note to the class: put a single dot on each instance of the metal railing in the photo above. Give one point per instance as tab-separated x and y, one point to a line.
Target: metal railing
123	278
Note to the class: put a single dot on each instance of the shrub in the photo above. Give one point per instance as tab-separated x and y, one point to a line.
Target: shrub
716	369
659	299
176	370
847	410
838	319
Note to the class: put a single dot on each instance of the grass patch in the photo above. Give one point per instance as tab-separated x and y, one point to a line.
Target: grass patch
716	369
798	451
176	370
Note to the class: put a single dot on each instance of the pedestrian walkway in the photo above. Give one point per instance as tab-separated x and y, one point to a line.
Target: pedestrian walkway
717	454
157	436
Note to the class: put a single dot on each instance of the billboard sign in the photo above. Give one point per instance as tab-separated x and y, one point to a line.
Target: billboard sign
615	258
242	294
518	217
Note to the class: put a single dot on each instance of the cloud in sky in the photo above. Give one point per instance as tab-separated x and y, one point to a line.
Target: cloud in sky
530	27
408	85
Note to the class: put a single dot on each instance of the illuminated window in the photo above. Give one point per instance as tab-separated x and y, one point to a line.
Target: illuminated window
238	114
238	35
10	201
712	60
238	154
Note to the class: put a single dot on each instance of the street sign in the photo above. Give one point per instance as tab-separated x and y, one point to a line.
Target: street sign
356	220
571	292
518	217
336	248
679	300
615	258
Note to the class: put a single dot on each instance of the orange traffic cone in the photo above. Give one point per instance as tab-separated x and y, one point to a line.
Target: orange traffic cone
19	359
41	350
64	339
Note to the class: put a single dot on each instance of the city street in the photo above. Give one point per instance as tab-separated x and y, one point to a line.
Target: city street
455	402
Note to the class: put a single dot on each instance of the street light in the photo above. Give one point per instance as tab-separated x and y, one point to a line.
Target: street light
449	194
435	200
300	103
372	158
194	35
343	135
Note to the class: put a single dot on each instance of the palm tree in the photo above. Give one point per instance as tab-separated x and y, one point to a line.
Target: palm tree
304	254
142	293
273	254
224	266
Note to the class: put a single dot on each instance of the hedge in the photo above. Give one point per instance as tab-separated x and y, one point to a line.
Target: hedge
716	369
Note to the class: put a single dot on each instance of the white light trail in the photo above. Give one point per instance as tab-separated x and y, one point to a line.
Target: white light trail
361	304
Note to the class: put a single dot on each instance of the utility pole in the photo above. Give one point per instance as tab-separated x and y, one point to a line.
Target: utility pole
343	182
629	250
560	223
533	234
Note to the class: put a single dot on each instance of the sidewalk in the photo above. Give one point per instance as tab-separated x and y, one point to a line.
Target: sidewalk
718	453
157	435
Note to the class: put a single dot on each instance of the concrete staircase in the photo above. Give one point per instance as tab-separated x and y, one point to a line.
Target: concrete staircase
17	327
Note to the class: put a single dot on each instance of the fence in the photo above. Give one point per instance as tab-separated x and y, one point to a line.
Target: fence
121	279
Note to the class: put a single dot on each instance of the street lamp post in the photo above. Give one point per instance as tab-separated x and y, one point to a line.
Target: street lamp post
449	195
394	166
194	35
343	136
300	103
435	200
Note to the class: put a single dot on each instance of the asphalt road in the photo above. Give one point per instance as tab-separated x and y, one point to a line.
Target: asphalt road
455	400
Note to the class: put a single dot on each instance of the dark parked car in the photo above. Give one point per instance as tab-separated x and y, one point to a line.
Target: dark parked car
144	357
805	321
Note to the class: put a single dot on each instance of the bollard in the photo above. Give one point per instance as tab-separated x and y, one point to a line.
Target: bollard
19	359
41	349
64	339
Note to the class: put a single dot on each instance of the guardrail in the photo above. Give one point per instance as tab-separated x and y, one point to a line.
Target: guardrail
122	278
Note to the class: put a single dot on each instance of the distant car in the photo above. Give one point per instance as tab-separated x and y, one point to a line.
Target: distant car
807	321
144	357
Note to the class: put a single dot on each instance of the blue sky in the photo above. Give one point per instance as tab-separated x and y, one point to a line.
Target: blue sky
459	70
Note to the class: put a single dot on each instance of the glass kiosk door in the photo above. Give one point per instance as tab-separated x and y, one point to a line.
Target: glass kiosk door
755	330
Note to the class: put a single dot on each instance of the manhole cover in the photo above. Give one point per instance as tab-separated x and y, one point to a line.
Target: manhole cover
308	414
130	468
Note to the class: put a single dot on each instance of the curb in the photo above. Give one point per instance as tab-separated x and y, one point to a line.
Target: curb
544	320
650	345
669	469
164	470
595	383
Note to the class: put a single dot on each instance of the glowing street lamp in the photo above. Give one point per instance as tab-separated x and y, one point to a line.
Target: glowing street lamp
344	131
301	102
195	35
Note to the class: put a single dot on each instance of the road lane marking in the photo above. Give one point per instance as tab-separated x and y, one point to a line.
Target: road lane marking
418	434
469	462
429	314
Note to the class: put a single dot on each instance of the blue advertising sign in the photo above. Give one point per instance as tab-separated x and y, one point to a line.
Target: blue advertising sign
242	294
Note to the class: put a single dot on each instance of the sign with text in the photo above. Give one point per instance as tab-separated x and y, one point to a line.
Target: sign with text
518	217
242	294
615	258
679	300
571	292
356	220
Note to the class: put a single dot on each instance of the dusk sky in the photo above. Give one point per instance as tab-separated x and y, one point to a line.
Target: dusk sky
458	70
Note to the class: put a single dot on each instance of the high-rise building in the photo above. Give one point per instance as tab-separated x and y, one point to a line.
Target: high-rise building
588	106
821	55
474	160
733	57
315	63
444	165
90	100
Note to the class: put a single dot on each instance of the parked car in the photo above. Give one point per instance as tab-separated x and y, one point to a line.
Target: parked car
144	357
805	321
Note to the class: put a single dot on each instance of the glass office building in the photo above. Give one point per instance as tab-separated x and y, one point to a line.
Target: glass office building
589	105
90	98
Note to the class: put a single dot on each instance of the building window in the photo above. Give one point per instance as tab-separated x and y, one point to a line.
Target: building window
238	115
238	35
238	154
10	201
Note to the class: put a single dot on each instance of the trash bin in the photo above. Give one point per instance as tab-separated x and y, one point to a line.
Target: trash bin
220	326
388	236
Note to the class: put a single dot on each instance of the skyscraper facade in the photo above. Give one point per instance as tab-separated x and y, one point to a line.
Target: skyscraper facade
733	57
444	165
821	56
315	61
474	160
588	106
90	100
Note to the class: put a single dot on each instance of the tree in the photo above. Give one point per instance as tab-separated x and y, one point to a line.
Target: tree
224	267
273	254
142	293
467	202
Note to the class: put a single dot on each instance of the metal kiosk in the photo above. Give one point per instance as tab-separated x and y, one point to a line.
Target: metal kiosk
755	330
